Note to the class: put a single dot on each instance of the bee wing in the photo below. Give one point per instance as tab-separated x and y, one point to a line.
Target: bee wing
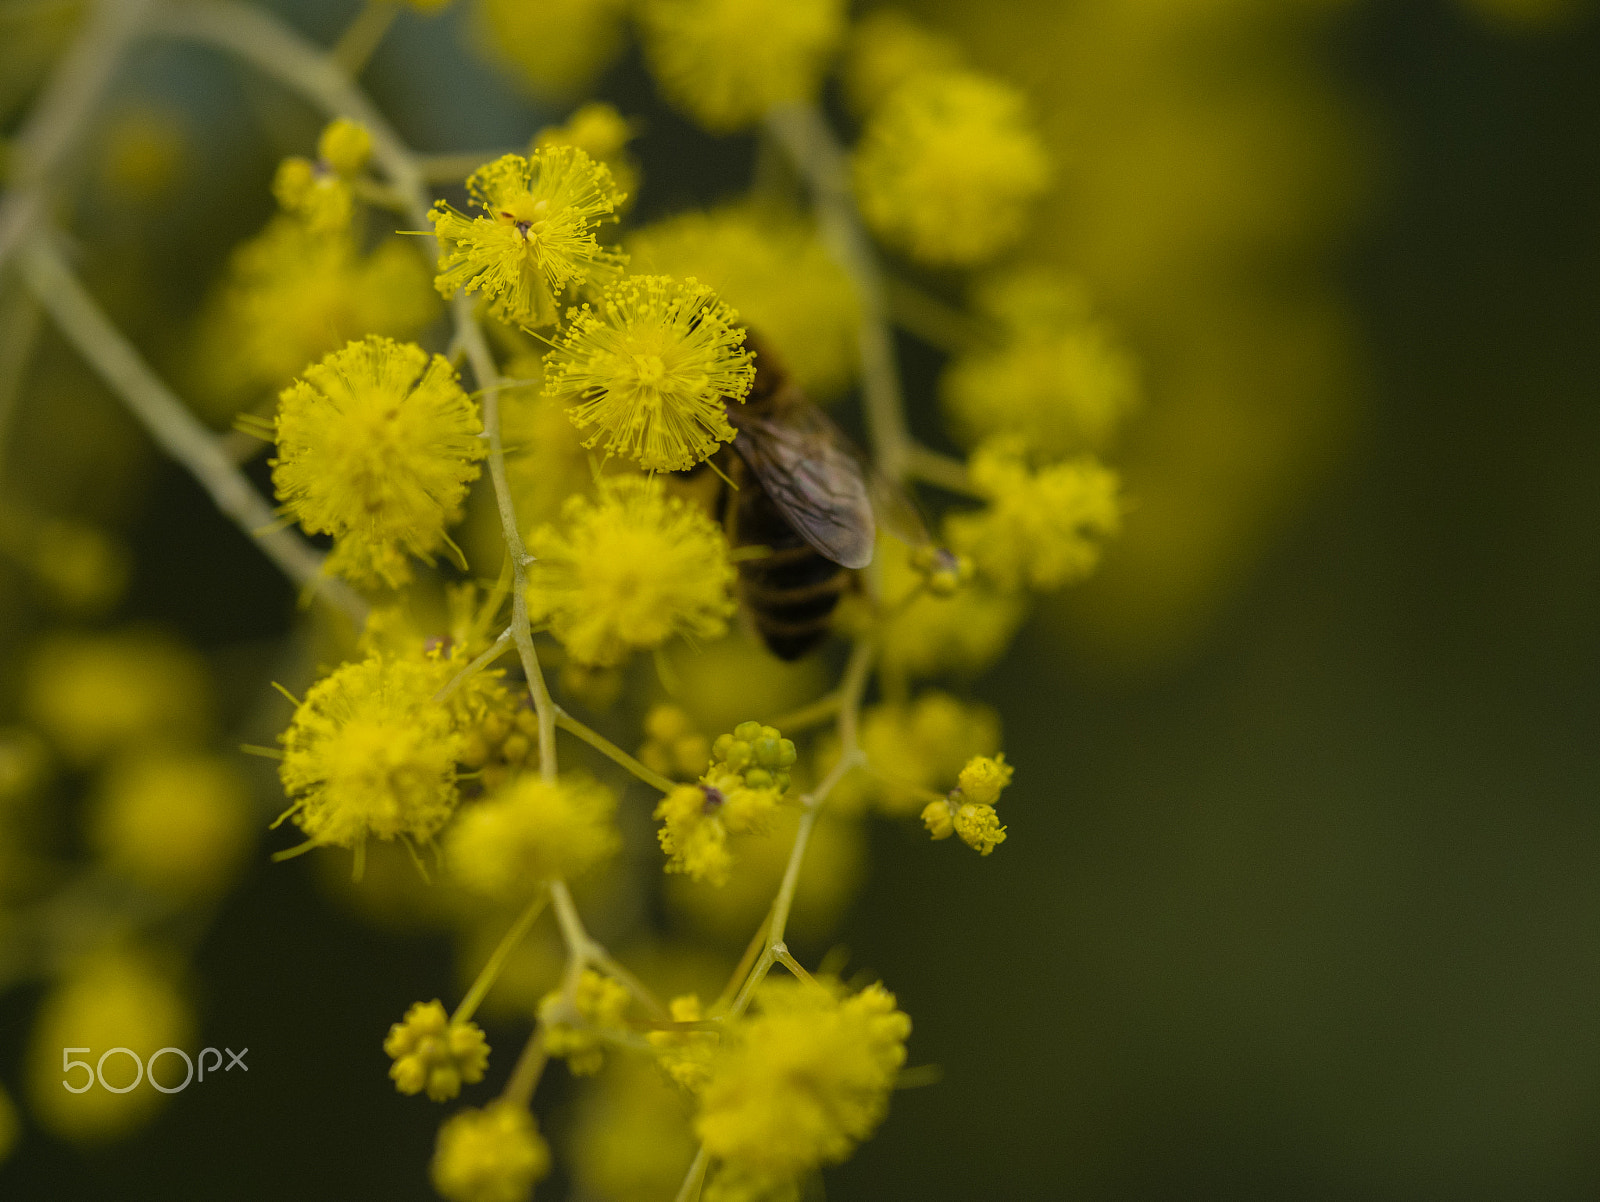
805	465
896	511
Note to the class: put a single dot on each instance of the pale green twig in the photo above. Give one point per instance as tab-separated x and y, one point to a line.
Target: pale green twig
60	117
361	37
804	133
941	471
933	321
610	750
502	952
170	423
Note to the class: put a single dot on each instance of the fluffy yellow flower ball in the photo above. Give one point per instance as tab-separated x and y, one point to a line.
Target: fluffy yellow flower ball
726	62
376	446
948	167
651	370
490	1155
368	754
530	832
629	571
799	1084
536	238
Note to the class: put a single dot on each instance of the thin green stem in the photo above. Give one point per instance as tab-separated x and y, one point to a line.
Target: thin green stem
852	688
497	961
19	333
791	880
942	471
495	651
605	960
741	973
171	424
804	133
526	1072
61	115
695	1178
786	958
573	934
933	321
807	716
612	752
260	39
362	36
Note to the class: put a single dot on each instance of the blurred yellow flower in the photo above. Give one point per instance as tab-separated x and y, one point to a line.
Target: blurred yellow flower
94	694
177	822
113	1000
726	62
773	268
490	1155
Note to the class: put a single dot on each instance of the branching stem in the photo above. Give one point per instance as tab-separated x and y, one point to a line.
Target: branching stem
170	423
491	970
612	752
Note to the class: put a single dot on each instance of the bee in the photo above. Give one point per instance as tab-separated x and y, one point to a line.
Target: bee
801	494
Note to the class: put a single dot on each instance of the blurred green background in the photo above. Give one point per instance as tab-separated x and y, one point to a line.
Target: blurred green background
1303	894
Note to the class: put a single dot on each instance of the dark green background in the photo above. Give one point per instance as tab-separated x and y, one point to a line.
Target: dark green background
1313	914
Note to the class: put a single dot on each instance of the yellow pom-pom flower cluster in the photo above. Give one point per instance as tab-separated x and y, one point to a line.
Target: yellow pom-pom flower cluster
621	462
432	1053
555	47
685	1056
603	134
1058	378
673	746
798	1085
96	695
1041	529
116	998
651	371
629	571
291	296
937	634
726	62
536	238
774	269
530	832
490	1155
176	822
576	1031
738	794
886	49
920	747
368	755
376	446
318	192
969	810
948	167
